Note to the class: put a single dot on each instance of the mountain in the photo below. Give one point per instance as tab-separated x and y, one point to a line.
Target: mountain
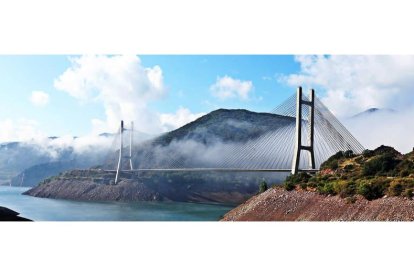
201	143
26	163
34	175
374	111
205	141
226	125
18	156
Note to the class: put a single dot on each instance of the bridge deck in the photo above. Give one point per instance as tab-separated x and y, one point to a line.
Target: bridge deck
213	170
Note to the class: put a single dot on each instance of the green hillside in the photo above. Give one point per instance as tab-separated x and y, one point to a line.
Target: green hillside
372	174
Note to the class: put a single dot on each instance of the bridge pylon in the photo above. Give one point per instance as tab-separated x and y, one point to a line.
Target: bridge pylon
121	150
309	147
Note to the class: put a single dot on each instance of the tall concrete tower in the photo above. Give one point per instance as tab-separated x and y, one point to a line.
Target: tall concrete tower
300	103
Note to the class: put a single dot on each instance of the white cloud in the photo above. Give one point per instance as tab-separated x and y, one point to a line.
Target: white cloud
19	130
356	83
351	84
183	116
121	83
39	98
226	88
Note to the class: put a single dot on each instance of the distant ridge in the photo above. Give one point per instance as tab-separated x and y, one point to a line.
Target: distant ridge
373	110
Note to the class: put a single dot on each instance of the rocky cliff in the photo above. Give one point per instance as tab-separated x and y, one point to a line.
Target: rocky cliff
98	185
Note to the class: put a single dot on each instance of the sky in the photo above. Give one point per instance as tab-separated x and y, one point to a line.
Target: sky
31	95
59	95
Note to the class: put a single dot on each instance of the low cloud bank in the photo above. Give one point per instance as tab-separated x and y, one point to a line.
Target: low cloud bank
384	127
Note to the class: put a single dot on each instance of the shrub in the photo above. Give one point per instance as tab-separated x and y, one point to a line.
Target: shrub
326	188
367	153
371	167
404	173
312	182
348	154
351	199
380	165
406	166
395	189
263	187
347	189
304	185
359	159
408	193
289	186
372	189
339	185
349	167
332	162
294	179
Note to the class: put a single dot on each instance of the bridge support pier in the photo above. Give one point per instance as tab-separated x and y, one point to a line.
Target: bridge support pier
311	131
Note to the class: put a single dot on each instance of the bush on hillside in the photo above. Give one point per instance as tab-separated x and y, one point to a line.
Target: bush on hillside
395	189
368	153
332	162
289	186
296	179
326	188
349	154
382	164
372	189
349	167
404	173
408	193
263	187
347	189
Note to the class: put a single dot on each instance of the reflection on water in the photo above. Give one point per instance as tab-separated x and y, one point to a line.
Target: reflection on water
40	209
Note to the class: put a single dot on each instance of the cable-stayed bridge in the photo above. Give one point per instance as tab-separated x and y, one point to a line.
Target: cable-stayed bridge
305	134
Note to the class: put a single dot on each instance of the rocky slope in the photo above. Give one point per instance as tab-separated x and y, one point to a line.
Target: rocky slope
97	185
89	190
277	204
375	185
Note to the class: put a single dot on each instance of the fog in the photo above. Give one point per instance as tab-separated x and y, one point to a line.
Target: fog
384	127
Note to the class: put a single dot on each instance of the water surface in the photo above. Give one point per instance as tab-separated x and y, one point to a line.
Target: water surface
44	209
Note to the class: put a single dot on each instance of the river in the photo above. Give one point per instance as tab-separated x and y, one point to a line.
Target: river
45	209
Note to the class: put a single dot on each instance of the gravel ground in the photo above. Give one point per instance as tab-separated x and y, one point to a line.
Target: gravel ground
277	204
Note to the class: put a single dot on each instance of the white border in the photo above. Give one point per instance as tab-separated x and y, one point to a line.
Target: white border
206	248
206	27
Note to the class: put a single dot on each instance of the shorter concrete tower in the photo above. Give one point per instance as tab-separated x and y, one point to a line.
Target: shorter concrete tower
121	150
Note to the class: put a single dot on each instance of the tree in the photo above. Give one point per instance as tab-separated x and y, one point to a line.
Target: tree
263	187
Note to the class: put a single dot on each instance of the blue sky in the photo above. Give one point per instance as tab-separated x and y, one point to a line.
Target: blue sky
187	81
66	96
